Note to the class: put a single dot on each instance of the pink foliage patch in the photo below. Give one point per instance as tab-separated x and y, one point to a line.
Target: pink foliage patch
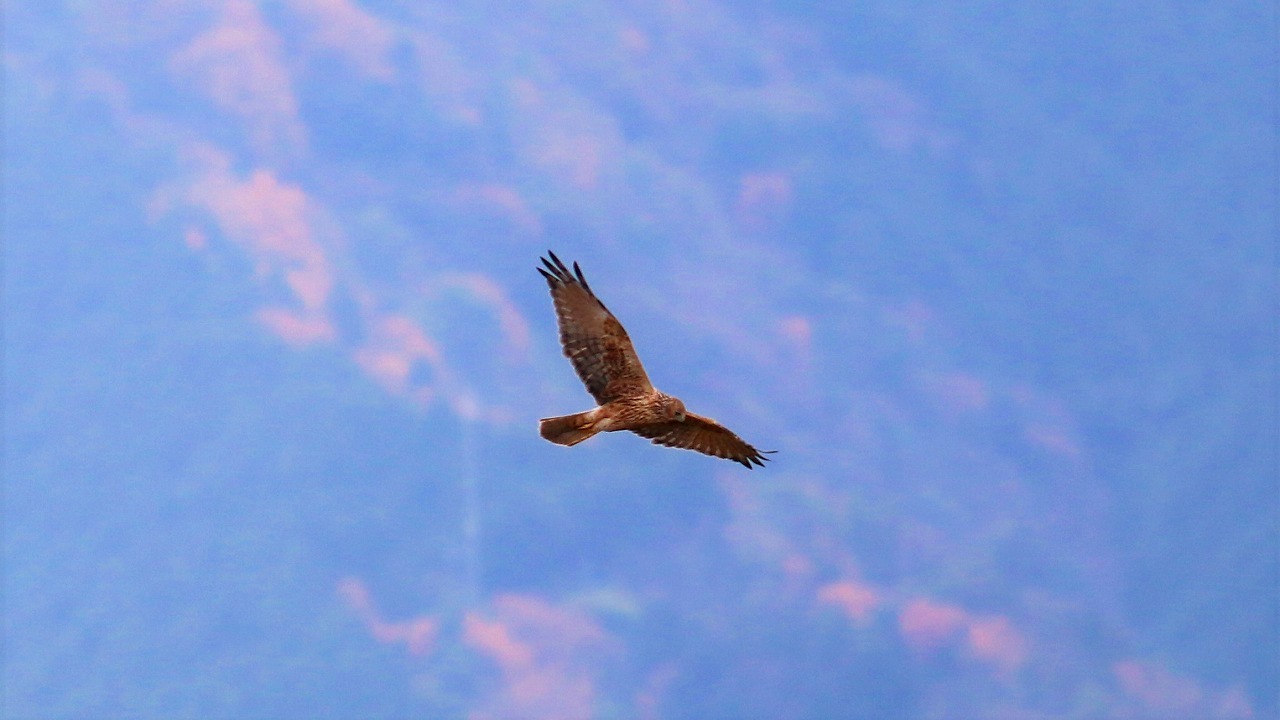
545	654
341	26
928	625
994	640
856	599
417	635
238	64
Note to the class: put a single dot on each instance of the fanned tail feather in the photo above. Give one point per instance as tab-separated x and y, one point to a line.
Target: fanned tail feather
568	429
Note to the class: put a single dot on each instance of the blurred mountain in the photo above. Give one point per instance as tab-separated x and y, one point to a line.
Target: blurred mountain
998	283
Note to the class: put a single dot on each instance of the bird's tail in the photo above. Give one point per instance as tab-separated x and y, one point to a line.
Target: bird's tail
568	429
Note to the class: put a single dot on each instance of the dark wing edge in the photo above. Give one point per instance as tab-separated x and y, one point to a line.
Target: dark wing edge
559	276
591	337
706	436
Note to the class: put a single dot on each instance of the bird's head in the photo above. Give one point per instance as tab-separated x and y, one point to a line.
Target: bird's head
673	407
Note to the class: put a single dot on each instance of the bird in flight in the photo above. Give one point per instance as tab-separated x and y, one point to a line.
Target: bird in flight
606	362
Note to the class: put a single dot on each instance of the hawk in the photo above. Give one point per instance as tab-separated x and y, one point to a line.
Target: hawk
606	362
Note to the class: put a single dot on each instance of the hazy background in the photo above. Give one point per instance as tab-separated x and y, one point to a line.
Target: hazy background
998	283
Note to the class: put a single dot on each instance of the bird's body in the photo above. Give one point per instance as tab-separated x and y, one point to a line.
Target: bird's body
602	354
626	413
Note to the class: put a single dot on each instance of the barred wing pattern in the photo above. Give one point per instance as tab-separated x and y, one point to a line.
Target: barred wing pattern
593	339
706	436
606	362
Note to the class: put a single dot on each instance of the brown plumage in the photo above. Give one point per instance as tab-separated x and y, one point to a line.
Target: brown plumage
606	362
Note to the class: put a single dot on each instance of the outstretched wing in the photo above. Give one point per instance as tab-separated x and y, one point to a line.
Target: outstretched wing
593	339
705	436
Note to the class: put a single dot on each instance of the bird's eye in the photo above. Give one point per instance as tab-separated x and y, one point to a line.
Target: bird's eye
679	416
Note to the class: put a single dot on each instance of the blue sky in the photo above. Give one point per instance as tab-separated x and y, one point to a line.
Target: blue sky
998	284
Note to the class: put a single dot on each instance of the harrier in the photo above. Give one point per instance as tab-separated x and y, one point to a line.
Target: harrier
606	362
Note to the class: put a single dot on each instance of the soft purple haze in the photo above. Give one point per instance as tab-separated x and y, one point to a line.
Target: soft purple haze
998	283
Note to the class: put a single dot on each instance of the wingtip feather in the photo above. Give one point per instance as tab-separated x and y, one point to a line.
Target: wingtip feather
559	273
759	457
581	279
562	271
